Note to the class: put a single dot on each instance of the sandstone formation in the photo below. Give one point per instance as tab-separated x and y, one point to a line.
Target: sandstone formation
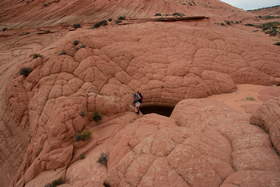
55	80
34	13
271	11
267	117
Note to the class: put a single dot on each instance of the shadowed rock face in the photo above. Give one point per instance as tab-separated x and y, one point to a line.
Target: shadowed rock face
161	110
203	143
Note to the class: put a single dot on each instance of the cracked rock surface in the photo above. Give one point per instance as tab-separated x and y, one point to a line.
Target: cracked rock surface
207	141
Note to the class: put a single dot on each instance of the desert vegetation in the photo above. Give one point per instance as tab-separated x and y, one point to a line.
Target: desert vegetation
36	55
56	182
76	42
121	18
178	14
83	136
271	28
82	113
100	24
103	159
96	117
62	52
249	98
268	17
76	26
82	156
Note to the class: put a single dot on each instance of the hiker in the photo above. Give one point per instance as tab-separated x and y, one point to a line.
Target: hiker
137	100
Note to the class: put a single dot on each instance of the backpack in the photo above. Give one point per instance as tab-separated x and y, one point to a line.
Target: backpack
137	97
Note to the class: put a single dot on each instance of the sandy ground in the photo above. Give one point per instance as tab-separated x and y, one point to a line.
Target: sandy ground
247	98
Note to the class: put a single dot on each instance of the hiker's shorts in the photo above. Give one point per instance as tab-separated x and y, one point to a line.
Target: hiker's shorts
137	104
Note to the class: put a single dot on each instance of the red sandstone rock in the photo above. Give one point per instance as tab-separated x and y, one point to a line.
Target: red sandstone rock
267	118
204	143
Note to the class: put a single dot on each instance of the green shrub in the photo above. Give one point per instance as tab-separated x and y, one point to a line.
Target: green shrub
77	25
103	159
269	17
228	22
106	184
250	98
56	182
157	14
36	55
76	42
178	14
83	136
82	156
118	21
46	4
100	23
270	28
82	46
122	18
62	52
250	25
25	71
96	116
83	114
277	43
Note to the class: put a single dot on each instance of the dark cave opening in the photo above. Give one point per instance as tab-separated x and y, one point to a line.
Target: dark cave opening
163	110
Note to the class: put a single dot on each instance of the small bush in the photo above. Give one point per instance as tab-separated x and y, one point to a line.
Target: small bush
103	159
24	33
106	184
249	25
56	182
62	52
83	114
82	46
118	21
36	55
83	136
250	98
46	4
110	19
122	18
277	43
96	117
270	28
100	23
76	42
4	29
25	71
157	14
76	26
228	22
269	17
82	156
178	14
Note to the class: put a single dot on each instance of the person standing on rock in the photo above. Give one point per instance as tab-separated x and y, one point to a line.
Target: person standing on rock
137	101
